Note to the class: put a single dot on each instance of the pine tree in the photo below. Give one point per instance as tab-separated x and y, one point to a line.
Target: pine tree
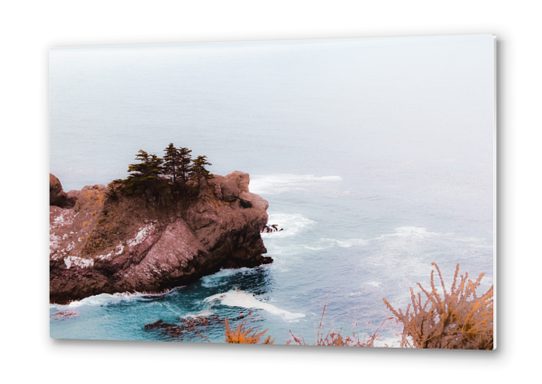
149	168
184	163
199	170
172	161
177	163
146	174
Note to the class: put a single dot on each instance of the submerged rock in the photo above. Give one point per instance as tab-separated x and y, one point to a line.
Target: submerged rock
195	325
62	315
126	244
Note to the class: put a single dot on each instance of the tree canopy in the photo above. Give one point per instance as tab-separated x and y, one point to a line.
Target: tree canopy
154	176
199	170
145	175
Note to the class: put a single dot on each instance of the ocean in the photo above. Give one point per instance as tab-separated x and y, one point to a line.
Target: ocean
376	157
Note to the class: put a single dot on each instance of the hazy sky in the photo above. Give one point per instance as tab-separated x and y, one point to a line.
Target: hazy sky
323	105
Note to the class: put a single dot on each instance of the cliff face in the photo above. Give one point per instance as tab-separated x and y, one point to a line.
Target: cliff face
105	245
57	196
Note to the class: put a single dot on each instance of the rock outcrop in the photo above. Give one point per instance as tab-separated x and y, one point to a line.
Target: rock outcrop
57	196
124	244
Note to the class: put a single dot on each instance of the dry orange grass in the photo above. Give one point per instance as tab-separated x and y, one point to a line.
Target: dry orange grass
242	335
460	319
330	338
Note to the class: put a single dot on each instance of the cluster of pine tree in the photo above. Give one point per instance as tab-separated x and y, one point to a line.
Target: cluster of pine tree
157	177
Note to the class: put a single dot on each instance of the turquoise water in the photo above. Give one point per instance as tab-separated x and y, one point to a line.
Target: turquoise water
376	157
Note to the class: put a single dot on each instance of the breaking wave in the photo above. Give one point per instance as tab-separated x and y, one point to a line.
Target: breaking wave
343	243
275	184
220	278
401	232
199	315
292	224
412	232
406	233
246	300
110	299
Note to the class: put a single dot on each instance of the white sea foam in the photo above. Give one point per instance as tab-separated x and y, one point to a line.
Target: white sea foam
347	243
217	279
204	313
325	243
291	223
412	232
400	232
277	250
279	264
246	300
275	184
109	299
101	299
476	242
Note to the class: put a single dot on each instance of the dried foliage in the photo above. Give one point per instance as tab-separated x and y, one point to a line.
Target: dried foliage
457	320
242	335
330	338
114	189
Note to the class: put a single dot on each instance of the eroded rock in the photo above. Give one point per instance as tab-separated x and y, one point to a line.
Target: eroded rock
57	196
102	246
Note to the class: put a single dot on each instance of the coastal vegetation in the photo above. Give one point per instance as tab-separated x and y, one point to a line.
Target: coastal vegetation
154	188
454	319
161	180
153	231
330	338
243	335
164	201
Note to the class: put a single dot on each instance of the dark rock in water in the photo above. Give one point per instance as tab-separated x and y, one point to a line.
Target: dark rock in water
271	228
62	315
171	330
126	244
195	325
57	196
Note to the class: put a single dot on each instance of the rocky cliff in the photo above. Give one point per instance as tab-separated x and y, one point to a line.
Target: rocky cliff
108	244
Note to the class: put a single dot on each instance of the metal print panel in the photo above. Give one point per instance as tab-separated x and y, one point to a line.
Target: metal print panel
281	192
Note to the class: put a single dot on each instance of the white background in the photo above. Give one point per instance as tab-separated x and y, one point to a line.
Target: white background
29	29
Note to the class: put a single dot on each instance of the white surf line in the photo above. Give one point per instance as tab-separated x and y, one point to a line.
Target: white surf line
275	184
246	300
400	232
291	224
99	300
115	298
